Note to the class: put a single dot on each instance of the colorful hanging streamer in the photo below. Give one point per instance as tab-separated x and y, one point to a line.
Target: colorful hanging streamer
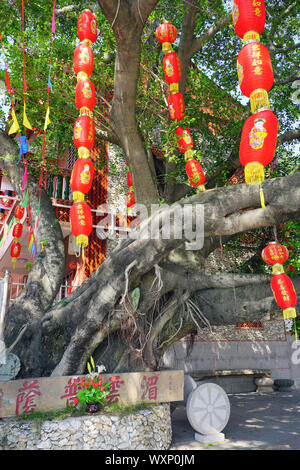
49	88
26	122
15	127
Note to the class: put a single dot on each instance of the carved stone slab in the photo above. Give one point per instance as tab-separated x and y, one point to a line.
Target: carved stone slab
208	408
54	393
10	368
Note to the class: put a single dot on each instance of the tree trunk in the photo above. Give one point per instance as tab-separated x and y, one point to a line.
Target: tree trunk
99	318
46	275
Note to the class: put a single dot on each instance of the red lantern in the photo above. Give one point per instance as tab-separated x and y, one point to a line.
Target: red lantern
130	199
248	15
15	252
258	144
195	173
87	26
255	74
129	179
81	178
284	294
85	95
17	230
84	132
171	67
166	34
19	212
176	106
275	255
83	60
6	201
81	222
184	139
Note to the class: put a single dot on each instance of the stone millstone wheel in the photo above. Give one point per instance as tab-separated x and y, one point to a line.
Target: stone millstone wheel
208	409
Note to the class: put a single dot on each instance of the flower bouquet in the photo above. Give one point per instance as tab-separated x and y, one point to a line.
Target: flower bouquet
93	390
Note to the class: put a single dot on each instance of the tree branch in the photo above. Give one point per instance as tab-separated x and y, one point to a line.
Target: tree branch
65	10
289	136
209	34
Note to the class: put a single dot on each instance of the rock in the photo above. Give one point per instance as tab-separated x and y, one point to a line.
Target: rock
283	385
264	385
149	429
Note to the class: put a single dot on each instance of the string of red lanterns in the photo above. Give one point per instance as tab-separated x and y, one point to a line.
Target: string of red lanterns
259	134
166	34
255	75
15	249
276	254
84	128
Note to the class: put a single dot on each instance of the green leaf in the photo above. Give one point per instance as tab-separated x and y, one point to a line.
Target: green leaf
135	296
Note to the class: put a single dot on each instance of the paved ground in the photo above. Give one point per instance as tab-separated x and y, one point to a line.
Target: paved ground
256	422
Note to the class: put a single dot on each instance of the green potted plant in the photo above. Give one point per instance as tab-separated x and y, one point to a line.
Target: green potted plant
93	390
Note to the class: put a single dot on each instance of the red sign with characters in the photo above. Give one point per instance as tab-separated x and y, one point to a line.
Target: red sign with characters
149	387
26	397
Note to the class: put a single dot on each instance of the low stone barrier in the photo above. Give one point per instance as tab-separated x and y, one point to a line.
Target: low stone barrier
146	429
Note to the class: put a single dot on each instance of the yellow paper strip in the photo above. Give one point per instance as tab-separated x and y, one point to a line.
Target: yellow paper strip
47	119
25	118
15	126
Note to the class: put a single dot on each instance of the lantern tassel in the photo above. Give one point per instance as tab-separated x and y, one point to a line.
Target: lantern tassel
254	173
262	198
259	100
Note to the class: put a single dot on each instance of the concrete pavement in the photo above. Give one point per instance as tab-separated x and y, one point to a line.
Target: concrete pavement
257	422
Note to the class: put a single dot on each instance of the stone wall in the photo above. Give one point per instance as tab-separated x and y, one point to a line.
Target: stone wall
230	348
147	429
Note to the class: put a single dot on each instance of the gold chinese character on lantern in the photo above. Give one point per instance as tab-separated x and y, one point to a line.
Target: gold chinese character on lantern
257	70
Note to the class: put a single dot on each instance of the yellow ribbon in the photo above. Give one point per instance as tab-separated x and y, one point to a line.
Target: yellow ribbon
26	122
15	125
47	119
30	243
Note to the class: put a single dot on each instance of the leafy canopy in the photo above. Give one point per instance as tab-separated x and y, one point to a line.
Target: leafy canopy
215	108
